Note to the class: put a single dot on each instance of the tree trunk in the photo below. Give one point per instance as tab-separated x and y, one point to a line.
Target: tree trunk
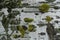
50	31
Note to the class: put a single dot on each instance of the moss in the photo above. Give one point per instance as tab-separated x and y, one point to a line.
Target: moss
28	20
22	31
48	18
31	28
44	8
16	36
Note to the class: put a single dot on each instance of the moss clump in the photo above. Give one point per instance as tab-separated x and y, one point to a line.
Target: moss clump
48	18
22	31
28	20
44	8
31	28
16	36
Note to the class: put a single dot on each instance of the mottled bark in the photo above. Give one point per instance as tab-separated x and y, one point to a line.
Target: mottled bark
50	31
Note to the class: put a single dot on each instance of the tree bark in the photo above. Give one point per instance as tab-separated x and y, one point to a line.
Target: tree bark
50	31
